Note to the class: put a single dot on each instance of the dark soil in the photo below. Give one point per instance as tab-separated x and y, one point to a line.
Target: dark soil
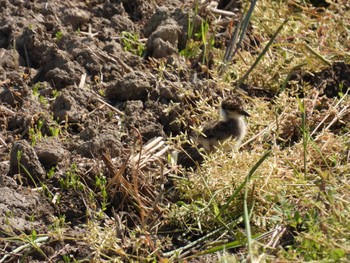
332	81
59	60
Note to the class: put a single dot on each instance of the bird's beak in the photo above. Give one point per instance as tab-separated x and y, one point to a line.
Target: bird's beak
243	112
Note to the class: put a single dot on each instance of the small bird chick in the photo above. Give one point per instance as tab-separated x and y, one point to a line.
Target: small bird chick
231	126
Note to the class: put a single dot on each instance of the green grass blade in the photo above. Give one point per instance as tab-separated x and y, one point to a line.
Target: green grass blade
245	76
251	172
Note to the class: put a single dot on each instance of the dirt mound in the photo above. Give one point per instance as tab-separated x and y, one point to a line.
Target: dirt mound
71	100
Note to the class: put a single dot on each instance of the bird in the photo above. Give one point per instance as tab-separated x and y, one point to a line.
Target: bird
232	125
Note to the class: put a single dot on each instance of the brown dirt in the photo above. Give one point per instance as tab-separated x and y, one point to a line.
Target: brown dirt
46	47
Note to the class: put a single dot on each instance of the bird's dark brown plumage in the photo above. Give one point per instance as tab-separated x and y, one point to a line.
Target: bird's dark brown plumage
232	126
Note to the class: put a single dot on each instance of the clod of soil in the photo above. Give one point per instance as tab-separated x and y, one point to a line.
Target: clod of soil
49	151
134	86
25	161
17	206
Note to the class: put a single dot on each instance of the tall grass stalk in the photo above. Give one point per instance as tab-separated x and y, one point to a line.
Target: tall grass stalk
245	203
305	134
240	31
243	184
266	48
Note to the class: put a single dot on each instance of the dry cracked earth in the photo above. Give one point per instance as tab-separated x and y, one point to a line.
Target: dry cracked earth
72	99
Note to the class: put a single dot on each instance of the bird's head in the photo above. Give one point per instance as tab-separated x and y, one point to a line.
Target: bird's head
232	109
